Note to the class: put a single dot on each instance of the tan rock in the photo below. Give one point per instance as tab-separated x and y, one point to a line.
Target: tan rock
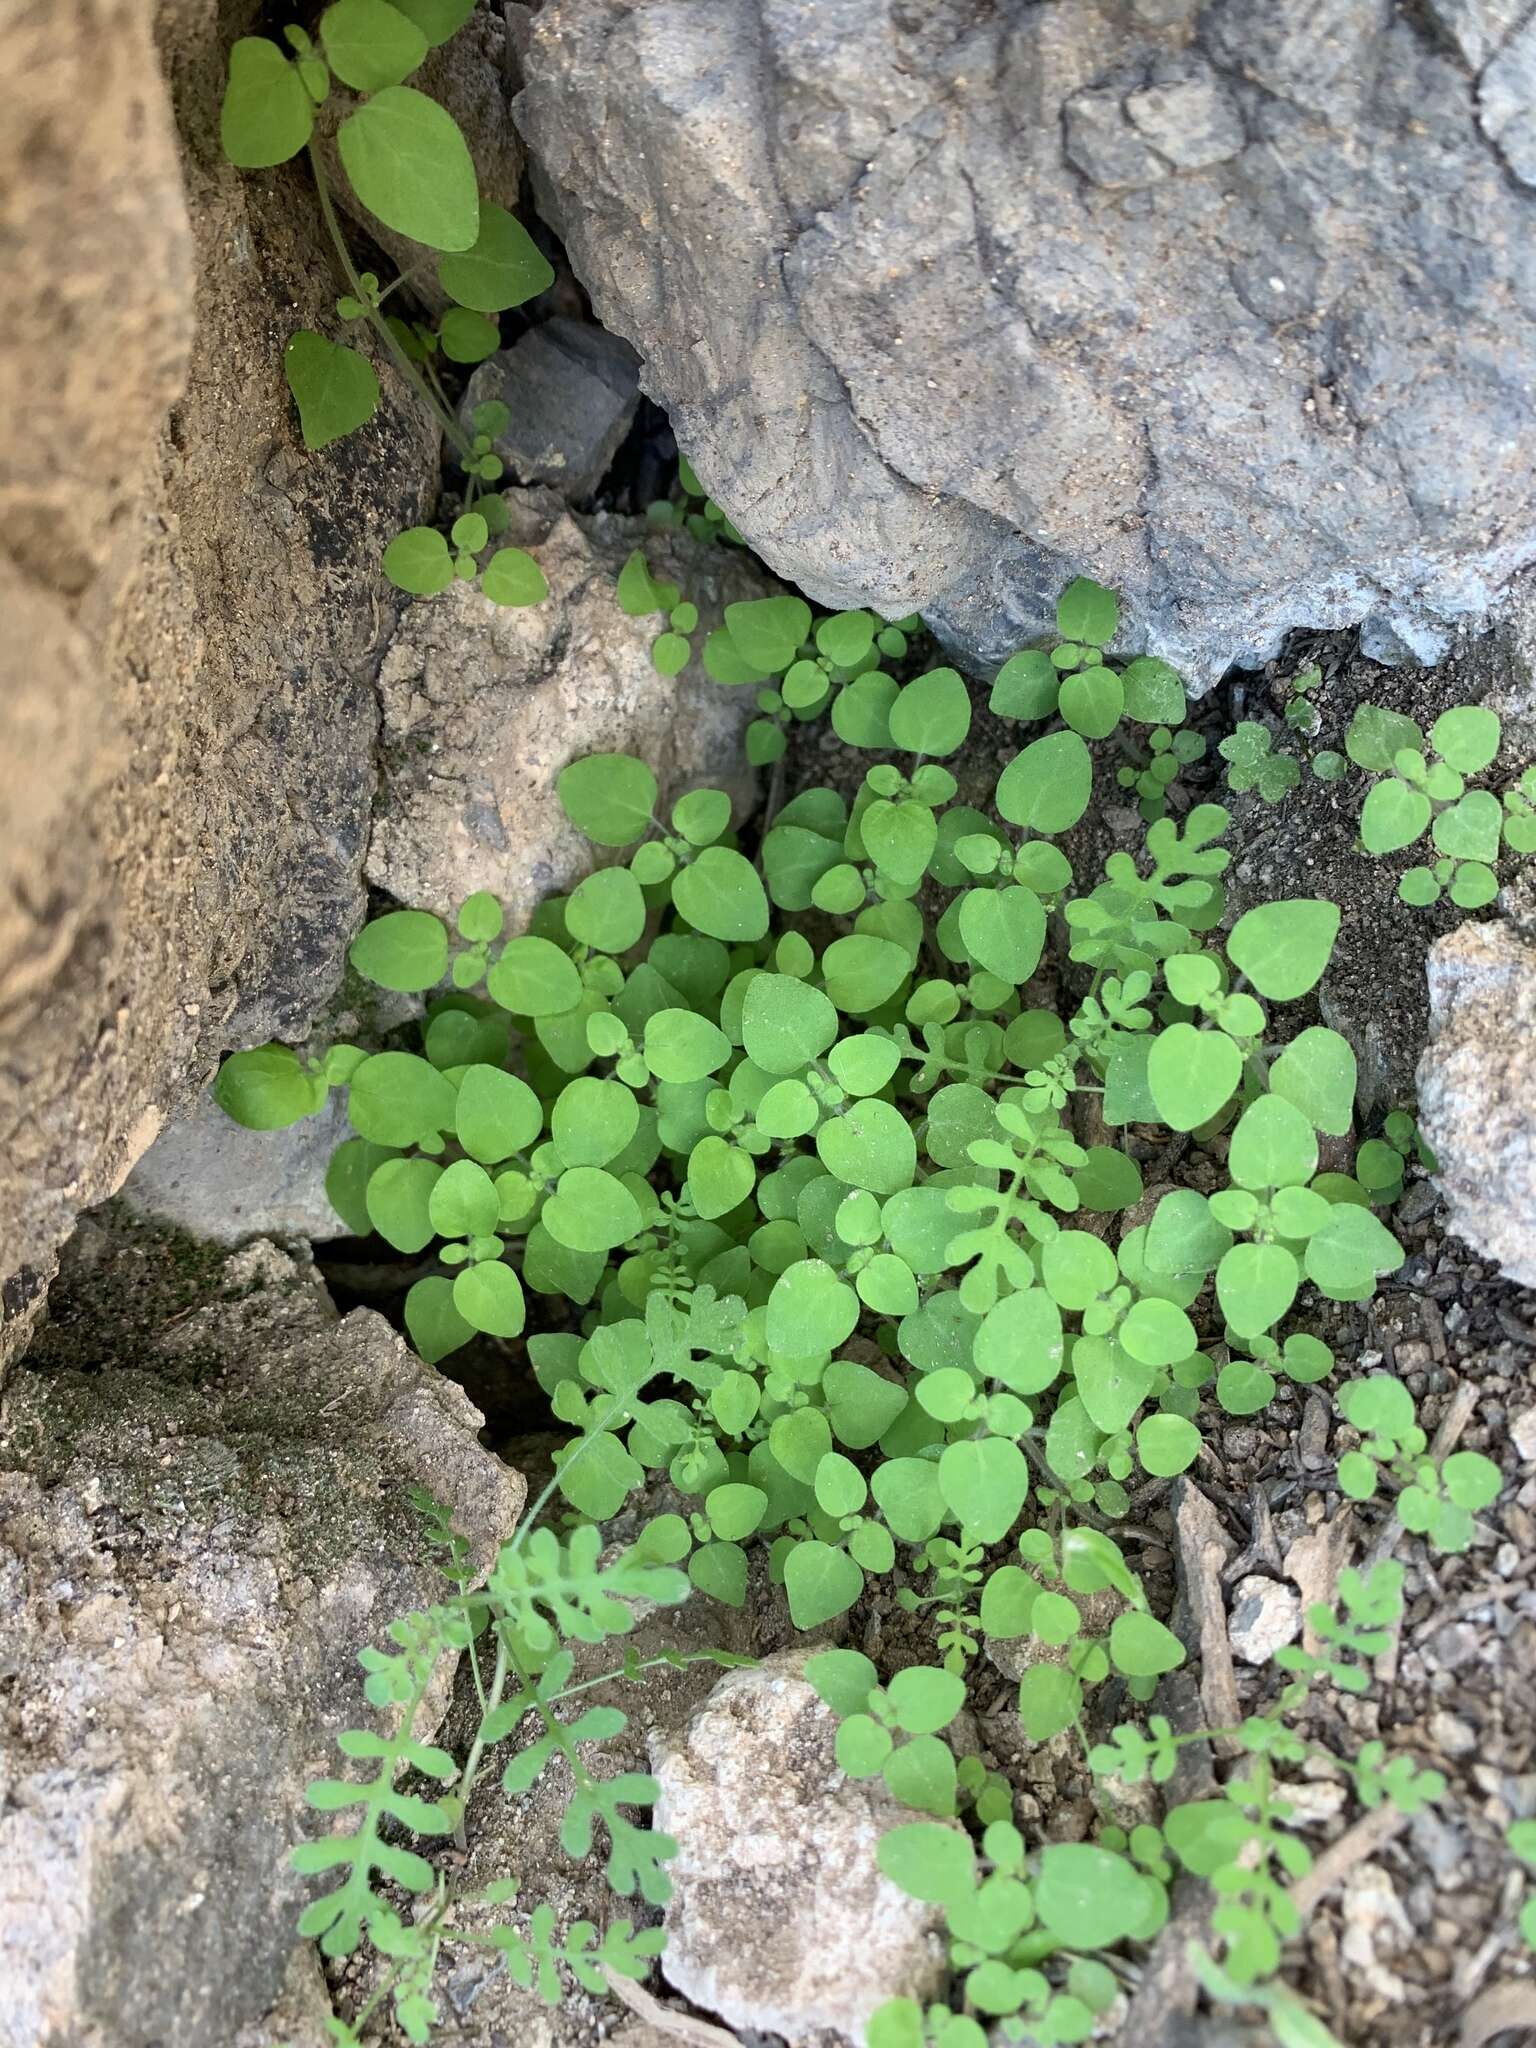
483	707
781	1920
192	602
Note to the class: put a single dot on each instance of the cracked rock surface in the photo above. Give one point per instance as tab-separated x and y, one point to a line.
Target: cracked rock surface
1229	305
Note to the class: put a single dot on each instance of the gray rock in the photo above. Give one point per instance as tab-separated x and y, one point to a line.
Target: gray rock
1506	103
213	1178
483	707
572	390
780	1920
1266	1615
1477	1088
204	1519
1476	27
948	304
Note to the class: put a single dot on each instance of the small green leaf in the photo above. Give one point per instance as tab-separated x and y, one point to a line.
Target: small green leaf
503	267
1470	829
513	577
267	115
437	19
984	1483
810	1311
721	894
334	388
1192	1074
929	1862
932	715
400	1202
533	978
821	1582
464	1201
1142	1648
1154	694
1027	686
418	561
369	44
397	1099
1092	702
1283	948
591	1211
411	167
268	1088
767	632
1467	738
1393	816
610	797
489	1298
405	950
1003	930
466	337
1317	1072
1166	1444
1046	788
786	1023
433	1323
497	1114
1088	612
1256	1284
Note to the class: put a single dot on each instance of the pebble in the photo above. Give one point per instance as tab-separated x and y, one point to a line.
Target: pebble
1451	1734
1522	1434
1265	1616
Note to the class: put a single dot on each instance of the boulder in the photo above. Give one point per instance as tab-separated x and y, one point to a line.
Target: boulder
572	390
204	1516
483	706
1477	1085
780	1920
193	602
1228	305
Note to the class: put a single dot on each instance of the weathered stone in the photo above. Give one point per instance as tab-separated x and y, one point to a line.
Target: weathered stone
949	303
205	1518
1506	103
213	1178
483	706
1265	1616
1477	1088
780	1920
193	607
572	390
1477	28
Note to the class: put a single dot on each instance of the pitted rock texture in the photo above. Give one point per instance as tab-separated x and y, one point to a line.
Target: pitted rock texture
203	1519
483	706
780	1919
1477	1088
1227	305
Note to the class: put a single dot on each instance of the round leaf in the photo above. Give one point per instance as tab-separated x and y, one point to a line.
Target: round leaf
268	1088
496	1115
1192	1074
1284	947
609	797
1046	788
267	115
489	1298
503	267
720	894
821	1582
533	978
406	950
591	1211
785	1023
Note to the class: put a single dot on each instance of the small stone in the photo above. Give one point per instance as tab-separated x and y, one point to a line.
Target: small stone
1451	1735
1522	1434
1312	1441
1265	1616
1477	1081
572	391
1193	123
1102	144
780	1919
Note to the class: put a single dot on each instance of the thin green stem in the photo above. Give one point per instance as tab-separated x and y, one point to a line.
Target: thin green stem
477	1748
376	320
